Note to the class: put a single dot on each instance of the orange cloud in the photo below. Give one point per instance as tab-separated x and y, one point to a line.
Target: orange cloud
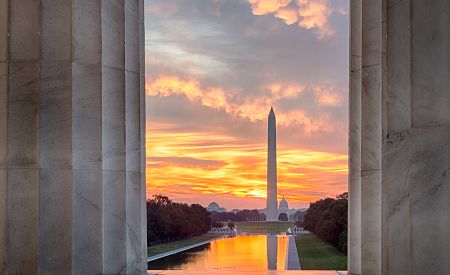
314	15
327	97
310	14
261	7
288	15
185	162
309	125
169	85
253	108
279	90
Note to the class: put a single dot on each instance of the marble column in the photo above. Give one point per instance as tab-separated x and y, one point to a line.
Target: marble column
72	137
365	137
404	142
428	177
134	187
396	201
371	136
22	140
87	138
142	125
3	125
354	142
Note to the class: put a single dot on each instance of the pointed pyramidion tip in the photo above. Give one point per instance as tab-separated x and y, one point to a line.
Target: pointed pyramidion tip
271	112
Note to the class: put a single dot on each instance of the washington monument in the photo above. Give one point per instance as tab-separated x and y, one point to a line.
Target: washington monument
272	205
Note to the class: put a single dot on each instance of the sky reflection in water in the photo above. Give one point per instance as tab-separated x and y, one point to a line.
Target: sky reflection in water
251	252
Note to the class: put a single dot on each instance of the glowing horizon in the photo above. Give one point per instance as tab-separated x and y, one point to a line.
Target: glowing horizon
207	101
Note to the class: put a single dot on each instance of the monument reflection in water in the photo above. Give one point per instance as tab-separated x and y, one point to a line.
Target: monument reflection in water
246	252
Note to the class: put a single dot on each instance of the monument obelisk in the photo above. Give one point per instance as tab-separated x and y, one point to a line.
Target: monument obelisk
271	204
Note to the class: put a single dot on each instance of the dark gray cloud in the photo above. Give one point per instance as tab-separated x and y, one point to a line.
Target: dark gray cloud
238	48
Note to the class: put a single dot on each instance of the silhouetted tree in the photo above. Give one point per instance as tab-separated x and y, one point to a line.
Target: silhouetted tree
297	217
167	220
343	196
242	215
327	218
314	213
262	217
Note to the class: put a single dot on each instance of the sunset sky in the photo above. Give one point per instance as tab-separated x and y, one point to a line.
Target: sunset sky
213	70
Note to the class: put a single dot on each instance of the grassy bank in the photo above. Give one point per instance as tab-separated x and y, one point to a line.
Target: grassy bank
166	247
263	227
316	254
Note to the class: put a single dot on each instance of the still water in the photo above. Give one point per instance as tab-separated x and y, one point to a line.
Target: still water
244	252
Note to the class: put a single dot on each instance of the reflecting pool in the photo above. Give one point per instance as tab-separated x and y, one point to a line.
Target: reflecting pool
243	252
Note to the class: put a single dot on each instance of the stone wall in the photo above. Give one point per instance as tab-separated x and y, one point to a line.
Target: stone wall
72	137
399	137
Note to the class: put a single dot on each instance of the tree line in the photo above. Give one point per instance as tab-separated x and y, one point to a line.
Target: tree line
327	219
252	215
168	220
239	216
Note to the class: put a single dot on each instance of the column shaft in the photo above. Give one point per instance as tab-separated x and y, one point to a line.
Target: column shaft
133	136
142	125
354	214
55	138
396	215
113	137
371	136
428	173
3	128
87	138
22	147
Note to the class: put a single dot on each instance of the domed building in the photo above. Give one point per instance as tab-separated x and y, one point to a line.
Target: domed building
214	206
283	206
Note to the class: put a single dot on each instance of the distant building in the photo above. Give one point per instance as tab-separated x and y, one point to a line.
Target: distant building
235	211
214	206
283	207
